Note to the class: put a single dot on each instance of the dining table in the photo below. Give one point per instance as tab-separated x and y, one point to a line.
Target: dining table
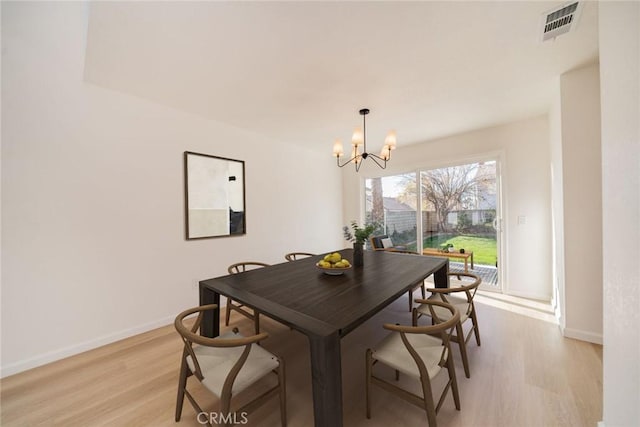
323	307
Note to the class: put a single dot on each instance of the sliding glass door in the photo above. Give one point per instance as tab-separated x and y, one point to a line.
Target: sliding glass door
452	211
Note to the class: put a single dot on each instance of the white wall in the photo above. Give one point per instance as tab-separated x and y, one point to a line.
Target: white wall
526	189
93	245
620	93
581	203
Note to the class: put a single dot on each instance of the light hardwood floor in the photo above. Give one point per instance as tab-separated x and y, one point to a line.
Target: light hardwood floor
524	374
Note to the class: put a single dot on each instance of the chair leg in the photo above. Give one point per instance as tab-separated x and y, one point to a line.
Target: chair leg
182	384
228	312
454	383
368	383
429	406
474	321
463	349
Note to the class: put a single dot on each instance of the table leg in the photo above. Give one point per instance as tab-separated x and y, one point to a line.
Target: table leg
466	265
210	326
472	261
326	377
440	277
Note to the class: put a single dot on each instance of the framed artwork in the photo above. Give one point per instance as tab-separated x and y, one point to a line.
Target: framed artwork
214	196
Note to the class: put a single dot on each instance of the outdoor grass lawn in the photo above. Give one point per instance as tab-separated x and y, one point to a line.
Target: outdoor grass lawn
484	248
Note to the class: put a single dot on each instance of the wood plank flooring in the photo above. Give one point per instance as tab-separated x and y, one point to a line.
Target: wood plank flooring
524	374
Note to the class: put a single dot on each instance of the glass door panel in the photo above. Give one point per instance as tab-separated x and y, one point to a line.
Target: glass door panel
391	202
460	207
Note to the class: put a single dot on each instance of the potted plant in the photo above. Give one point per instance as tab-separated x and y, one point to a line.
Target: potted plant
358	235
446	247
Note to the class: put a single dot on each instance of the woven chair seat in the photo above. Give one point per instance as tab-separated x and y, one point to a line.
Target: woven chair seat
216	363
461	304
392	352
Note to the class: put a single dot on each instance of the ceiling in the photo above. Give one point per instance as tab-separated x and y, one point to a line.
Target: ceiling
299	72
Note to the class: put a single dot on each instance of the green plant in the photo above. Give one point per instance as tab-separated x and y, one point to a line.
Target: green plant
358	234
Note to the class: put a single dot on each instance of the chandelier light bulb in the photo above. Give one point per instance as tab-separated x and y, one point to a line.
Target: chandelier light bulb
337	148
390	140
358	137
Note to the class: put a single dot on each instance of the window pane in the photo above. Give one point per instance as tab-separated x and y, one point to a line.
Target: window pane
391	202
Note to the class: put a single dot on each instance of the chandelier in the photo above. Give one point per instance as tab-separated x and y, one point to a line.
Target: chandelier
359	147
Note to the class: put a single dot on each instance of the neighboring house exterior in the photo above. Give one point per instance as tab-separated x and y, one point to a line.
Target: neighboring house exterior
398	217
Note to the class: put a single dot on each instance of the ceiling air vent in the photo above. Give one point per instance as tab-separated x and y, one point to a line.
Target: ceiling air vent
560	20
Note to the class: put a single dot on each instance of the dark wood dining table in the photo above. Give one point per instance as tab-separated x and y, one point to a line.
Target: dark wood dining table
325	308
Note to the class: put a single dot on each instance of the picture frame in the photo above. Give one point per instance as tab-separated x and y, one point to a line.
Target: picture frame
214	196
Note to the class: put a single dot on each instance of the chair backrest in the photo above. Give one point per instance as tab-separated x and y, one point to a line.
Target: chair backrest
293	256
189	337
441	327
378	242
241	267
469	287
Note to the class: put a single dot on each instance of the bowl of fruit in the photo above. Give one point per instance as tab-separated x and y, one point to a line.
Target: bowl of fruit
333	264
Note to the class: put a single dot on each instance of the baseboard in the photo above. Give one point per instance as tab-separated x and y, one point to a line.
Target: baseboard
582	335
52	356
528	295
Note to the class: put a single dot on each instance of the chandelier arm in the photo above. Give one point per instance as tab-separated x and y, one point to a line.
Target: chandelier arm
353	159
381	158
376	158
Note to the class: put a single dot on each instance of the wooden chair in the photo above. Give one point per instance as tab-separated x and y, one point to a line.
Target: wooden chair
420	352
236	268
293	256
461	297
226	366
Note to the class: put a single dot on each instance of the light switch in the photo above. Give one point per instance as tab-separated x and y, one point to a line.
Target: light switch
522	219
